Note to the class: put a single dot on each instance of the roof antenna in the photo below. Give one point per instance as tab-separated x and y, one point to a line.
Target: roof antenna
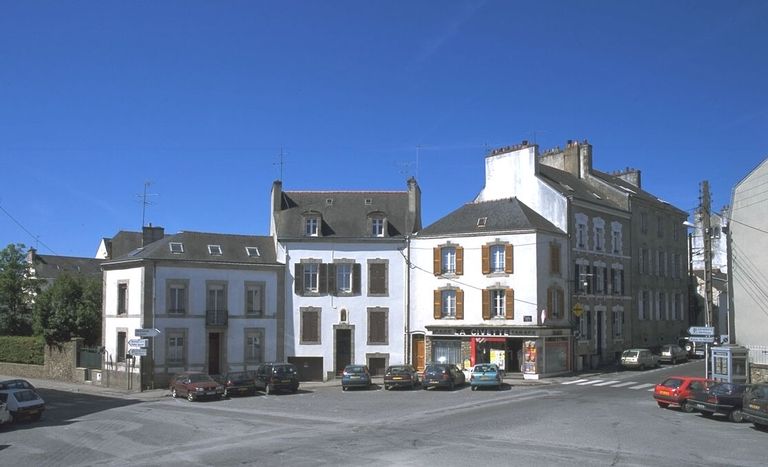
145	202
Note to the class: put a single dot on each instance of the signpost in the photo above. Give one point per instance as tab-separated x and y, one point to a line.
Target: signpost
702	339
146	332
138	342
701	331
136	352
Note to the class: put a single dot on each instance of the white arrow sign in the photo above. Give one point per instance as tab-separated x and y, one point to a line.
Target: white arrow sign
146	332
138	342
701	330
138	352
702	339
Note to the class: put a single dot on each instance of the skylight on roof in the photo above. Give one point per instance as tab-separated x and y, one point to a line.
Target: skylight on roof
596	195
176	247
567	187
626	189
252	251
368	201
329	201
214	250
481	221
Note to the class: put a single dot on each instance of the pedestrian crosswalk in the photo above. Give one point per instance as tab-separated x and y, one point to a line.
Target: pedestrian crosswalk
634	385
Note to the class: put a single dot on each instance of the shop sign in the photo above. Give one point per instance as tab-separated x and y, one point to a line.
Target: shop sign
485	332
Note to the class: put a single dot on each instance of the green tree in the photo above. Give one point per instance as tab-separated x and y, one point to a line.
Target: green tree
17	288
70	307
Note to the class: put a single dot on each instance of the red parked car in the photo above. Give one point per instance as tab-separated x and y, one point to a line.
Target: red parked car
676	390
196	385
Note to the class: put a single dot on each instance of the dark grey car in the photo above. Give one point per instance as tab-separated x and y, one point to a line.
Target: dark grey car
273	377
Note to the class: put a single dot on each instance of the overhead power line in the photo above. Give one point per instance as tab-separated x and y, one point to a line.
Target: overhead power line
33	236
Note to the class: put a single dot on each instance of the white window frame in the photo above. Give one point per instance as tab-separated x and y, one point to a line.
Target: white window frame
176	247
498	303
448	303
497	255
254	345
344	277
377	226
312	226
252	251
214	250
448	259
311	277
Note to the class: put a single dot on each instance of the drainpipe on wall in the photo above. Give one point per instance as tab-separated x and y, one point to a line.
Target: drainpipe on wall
407	359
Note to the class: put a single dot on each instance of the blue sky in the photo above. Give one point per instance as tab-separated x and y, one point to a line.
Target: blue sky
199	97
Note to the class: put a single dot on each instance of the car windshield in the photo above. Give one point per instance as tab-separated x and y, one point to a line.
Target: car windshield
726	388
484	368
26	395
284	370
630	353
355	369
399	370
672	383
432	369
199	378
15	384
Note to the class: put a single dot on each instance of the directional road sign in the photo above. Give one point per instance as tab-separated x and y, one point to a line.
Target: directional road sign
137	342
701	330
146	332
138	352
702	339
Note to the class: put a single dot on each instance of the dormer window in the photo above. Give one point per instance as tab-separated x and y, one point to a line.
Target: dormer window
214	250
176	247
368	201
329	201
252	251
481	222
377	226
312	226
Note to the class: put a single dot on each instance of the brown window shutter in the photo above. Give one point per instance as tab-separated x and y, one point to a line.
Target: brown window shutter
509	304
332	279
486	304
356	278
459	260
459	304
438	305
298	279
437	269
486	259
509	266
322	279
560	302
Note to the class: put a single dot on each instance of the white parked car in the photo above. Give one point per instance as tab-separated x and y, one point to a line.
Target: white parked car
5	414
639	358
23	403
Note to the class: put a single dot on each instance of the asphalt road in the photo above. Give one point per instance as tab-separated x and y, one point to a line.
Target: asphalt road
605	419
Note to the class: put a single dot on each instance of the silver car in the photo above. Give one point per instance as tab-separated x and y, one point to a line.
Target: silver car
671	353
639	358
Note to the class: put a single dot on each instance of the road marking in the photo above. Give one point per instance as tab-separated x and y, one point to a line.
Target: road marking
575	381
590	382
643	386
624	384
606	383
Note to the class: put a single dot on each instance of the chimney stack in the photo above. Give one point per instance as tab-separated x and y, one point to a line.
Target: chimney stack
151	234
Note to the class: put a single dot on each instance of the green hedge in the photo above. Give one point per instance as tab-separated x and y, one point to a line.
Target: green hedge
22	349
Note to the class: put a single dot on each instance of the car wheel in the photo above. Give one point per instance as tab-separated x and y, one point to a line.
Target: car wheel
190	397
452	386
386	387
344	388
736	416
663	405
686	407
425	387
268	390
642	367
474	388
173	393
674	361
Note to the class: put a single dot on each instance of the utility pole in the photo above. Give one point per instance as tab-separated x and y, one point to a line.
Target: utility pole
707	233
729	261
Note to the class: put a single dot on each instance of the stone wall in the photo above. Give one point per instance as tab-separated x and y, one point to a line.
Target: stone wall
22	370
758	373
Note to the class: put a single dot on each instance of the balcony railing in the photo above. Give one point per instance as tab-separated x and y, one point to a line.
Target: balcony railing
216	317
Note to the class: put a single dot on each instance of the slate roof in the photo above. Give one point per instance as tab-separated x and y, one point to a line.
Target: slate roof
632	190
571	185
195	248
345	216
52	266
504	215
122	243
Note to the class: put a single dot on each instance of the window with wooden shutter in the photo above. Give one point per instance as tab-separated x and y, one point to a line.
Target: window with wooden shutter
459	260
322	283
377	326
356	278
377	278
436	261
310	326
486	304
560	307
509	304
550	301
459	303
509	266
298	278
438	304
486	259
337	285
554	258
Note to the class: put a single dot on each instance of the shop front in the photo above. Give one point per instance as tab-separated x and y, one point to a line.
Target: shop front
532	351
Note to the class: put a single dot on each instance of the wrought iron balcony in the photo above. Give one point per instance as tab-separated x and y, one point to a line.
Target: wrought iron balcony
216	317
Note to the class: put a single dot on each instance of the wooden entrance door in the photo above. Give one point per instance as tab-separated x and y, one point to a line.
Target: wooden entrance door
418	357
214	353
